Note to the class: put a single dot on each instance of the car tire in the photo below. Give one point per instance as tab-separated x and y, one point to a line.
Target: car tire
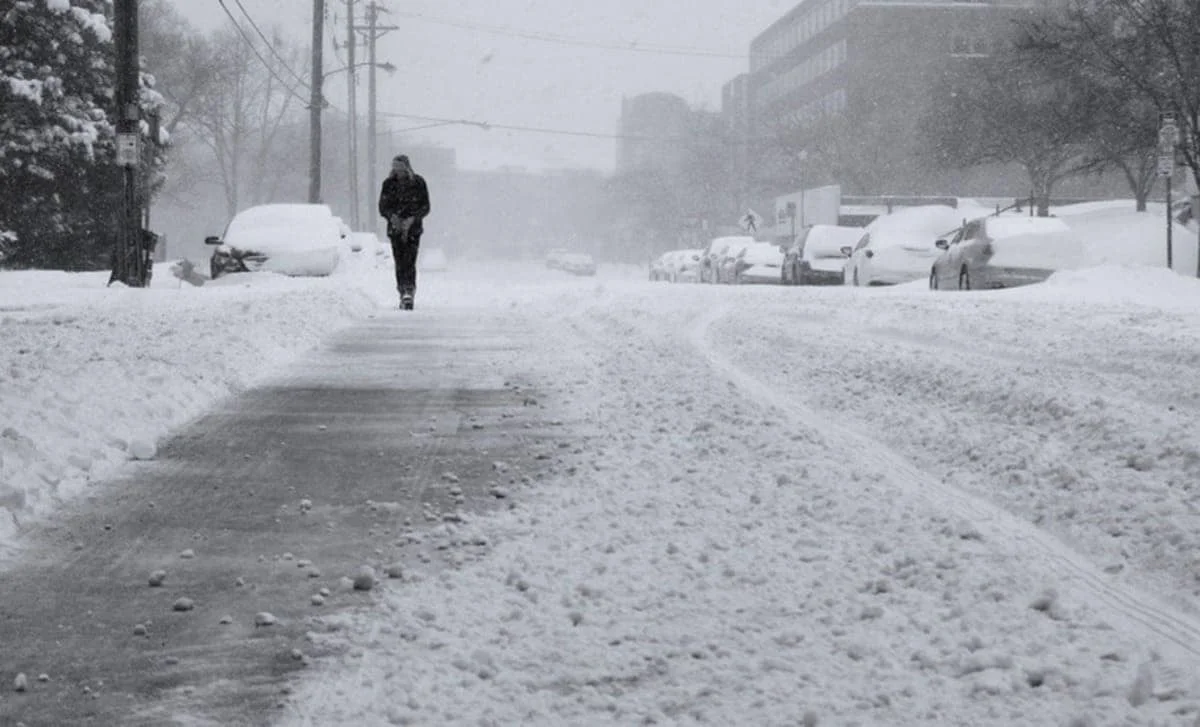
933	280
964	279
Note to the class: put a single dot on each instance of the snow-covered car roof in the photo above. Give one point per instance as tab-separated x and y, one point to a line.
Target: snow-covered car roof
762	253
827	241
914	226
270	228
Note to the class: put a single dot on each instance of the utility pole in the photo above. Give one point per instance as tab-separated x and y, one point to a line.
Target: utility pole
352	137
130	263
374	31
316	101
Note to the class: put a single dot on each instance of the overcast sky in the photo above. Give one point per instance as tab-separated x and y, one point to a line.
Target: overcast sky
463	73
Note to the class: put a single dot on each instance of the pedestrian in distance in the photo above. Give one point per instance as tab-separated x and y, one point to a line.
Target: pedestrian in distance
404	203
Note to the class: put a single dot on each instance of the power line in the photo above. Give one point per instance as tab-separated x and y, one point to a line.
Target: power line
271	46
266	64
437	121
631	47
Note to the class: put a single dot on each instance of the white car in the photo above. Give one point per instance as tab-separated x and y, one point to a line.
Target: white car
291	239
685	266
761	262
900	247
816	258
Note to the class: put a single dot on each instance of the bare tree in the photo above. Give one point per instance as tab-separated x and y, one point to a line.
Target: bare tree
1008	109
1148	51
243	117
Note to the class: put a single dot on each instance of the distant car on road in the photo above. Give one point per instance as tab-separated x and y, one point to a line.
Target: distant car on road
711	257
578	263
291	239
1005	251
725	266
555	257
761	262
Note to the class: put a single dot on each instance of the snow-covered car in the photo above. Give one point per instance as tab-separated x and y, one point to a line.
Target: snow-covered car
761	263
432	260
816	258
578	263
726	265
291	239
1005	251
899	247
554	258
712	256
658	268
685	266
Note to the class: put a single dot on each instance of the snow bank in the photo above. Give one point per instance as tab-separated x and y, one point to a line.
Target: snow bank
91	377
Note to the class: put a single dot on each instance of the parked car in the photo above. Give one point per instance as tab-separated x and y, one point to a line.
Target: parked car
710	259
816	257
658	267
684	266
578	263
292	239
555	257
899	247
726	264
1005	251
761	262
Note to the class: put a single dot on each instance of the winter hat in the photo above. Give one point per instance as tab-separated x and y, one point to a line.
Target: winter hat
401	158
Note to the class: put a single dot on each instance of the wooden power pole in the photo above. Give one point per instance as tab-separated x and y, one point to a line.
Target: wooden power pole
316	102
374	32
130	259
352	113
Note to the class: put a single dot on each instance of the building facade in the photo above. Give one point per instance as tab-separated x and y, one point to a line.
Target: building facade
873	64
647	130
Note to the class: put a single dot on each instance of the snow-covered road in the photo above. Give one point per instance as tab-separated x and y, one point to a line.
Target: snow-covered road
825	507
772	506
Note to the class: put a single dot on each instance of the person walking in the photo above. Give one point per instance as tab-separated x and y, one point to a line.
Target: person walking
404	203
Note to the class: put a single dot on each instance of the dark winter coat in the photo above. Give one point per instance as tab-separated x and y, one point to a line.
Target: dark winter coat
405	197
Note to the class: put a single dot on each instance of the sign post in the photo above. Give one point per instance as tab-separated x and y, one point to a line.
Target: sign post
1168	138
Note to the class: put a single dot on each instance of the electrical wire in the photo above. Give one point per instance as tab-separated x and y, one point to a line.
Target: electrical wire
254	48
437	121
565	40
271	47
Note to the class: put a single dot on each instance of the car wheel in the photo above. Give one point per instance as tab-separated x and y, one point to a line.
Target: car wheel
933	280
964	280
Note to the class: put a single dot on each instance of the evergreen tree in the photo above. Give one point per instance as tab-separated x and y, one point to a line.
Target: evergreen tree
59	187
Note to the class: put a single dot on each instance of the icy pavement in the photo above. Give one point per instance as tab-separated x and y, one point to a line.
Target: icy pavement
823	507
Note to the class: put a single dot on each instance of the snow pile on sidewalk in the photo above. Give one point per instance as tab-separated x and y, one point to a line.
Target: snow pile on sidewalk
701	561
91	377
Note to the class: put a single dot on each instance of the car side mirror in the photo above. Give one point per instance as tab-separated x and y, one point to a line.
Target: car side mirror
212	240
847	252
942	245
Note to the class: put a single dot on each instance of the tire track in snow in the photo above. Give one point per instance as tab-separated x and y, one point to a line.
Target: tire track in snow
1178	633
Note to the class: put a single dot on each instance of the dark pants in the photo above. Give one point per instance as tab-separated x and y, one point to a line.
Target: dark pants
404	252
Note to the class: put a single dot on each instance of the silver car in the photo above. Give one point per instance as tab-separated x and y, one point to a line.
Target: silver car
1005	251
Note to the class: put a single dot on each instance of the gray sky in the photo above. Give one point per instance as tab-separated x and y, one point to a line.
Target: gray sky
461	73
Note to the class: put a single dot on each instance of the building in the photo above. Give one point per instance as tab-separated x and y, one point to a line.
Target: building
648	126
874	64
736	121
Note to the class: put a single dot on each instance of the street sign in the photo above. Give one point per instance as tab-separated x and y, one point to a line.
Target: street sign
750	221
1168	139
127	150
1166	165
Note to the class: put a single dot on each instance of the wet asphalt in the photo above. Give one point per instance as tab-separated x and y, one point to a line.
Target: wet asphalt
377	430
